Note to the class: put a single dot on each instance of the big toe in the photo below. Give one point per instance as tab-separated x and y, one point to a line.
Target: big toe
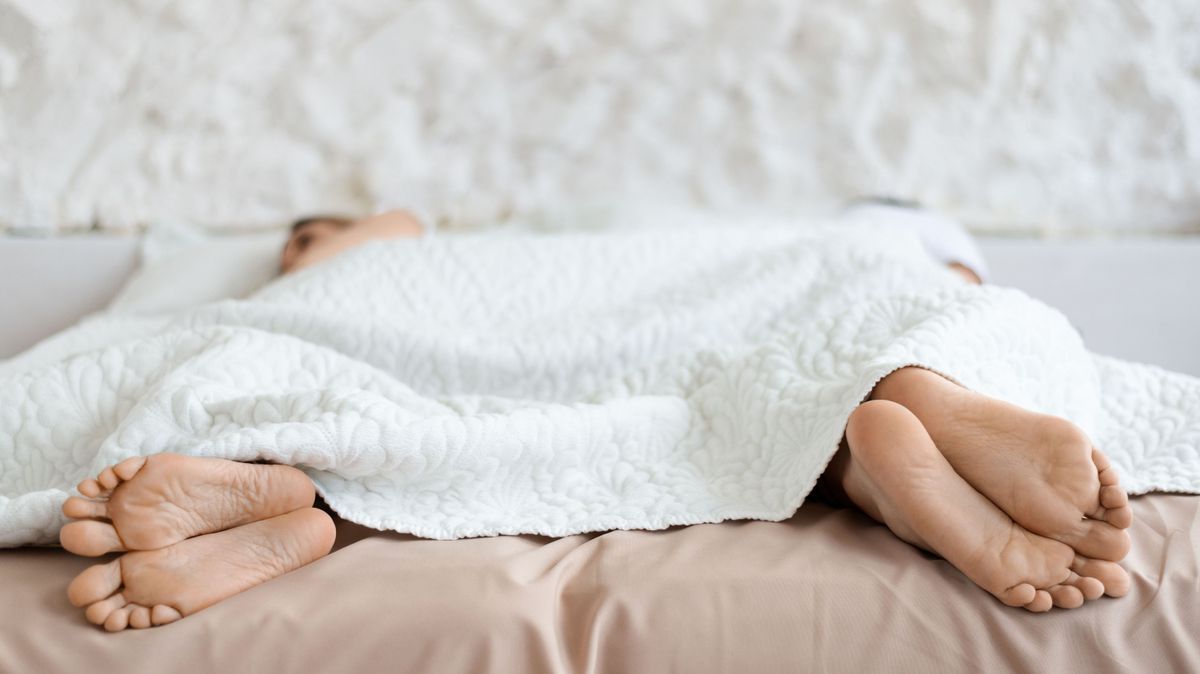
1114	578
95	583
1099	539
90	538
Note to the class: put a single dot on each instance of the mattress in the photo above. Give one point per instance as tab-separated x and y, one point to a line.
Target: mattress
828	590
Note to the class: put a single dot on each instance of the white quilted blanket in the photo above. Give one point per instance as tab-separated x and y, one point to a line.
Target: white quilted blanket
554	384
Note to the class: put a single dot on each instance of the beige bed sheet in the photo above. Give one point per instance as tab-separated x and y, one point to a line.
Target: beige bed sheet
824	591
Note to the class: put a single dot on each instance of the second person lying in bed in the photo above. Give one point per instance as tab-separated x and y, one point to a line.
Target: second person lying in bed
1020	502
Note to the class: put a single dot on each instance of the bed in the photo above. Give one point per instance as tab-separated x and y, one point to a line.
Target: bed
827	590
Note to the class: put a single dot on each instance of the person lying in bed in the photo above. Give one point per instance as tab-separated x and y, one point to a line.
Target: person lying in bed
1020	502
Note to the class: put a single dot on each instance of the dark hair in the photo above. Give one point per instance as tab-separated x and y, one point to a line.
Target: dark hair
339	220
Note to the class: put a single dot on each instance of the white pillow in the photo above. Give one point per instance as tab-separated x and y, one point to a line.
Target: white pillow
183	268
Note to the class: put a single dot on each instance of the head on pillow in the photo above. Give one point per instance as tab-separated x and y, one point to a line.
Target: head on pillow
321	237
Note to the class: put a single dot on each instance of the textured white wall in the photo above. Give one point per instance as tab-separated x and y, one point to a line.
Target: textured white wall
1056	115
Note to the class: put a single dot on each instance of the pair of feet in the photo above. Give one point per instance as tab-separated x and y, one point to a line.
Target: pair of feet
1020	502
194	531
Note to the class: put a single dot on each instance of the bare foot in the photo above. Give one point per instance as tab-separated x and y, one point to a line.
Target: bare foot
156	587
1041	470
895	473
146	503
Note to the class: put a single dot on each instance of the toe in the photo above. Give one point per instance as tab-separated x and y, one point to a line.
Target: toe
1121	518
163	614
90	488
1090	588
1066	596
1110	574
95	583
90	538
79	508
1108	473
129	467
1114	507
1018	595
108	479
139	617
117	620
1112	496
1042	602
1099	539
98	613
